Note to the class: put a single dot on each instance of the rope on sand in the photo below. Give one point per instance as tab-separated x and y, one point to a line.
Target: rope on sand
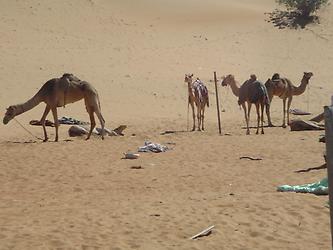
28	130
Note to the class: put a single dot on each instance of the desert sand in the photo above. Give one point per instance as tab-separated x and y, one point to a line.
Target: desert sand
77	194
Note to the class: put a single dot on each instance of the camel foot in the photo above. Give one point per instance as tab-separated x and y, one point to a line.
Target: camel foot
46	139
271	125
262	132
193	129
247	132
257	133
284	125
102	137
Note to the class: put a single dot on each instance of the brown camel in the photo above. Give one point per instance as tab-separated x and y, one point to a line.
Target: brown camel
251	92
58	92
285	89
198	95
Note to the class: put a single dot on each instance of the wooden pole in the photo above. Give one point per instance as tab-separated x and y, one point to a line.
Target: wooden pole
217	104
328	113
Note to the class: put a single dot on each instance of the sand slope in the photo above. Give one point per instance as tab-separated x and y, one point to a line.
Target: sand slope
81	195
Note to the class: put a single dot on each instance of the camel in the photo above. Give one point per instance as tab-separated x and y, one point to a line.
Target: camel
198	95
58	92
251	92
285	89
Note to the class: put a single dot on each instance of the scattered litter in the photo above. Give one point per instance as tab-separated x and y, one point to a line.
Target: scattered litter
301	125
156	215
298	112
250	158
310	169
71	121
322	139
318	118
77	130
136	167
172	132
38	123
318	188
153	147
131	156
205	232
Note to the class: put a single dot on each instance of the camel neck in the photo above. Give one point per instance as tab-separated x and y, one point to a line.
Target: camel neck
189	87
24	107
234	87
301	88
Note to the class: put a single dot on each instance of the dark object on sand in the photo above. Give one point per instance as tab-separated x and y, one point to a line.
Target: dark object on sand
301	125
38	123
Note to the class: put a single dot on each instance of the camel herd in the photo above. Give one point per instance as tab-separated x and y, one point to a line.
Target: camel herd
250	92
58	92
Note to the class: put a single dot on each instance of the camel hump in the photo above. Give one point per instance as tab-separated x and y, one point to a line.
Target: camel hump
252	91
276	77
70	77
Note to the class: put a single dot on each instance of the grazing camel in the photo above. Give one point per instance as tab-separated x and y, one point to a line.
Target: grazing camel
198	95
285	89
58	92
251	92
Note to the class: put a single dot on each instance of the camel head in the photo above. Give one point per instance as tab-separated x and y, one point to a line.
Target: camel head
188	78
307	75
10	114
253	77
227	80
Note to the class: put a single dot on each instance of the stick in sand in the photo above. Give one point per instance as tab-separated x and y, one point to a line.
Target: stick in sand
217	104
205	232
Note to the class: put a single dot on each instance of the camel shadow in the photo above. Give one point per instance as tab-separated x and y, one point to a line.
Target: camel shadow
22	142
290	19
265	126
34	141
167	132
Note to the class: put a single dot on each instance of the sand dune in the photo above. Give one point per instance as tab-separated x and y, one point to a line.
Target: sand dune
81	195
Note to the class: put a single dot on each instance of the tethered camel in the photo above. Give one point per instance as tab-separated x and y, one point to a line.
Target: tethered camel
58	92
198	95
251	92
285	89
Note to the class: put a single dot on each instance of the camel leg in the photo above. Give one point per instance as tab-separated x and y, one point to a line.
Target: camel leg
193	115
268	112
249	105
203	118
288	108
92	122
246	119
42	120
258	117
284	114
199	116
262	105
56	122
101	120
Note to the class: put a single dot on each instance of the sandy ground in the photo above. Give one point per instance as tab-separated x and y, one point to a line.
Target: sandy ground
78	194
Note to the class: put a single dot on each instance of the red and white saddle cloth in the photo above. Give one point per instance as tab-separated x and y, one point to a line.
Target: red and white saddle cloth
200	90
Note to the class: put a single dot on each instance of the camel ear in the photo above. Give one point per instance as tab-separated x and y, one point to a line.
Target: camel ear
191	75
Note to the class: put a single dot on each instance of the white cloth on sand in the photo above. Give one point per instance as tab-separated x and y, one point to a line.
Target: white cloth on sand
153	147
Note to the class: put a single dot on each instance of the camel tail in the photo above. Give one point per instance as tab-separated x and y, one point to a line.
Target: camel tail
207	100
